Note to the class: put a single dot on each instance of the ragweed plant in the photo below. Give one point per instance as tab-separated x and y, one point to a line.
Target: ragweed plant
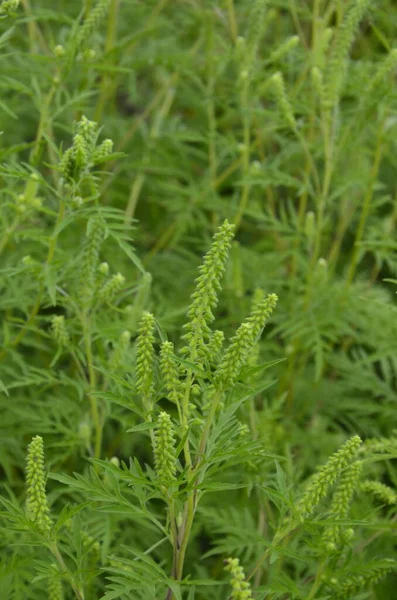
198	445
280	118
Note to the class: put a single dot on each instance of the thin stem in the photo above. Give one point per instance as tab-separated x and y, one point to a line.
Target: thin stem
153	135
279	536
30	26
8	233
191	504
207	427
366	207
110	37
36	38
318	581
185	534
246	153
211	118
232	19
92	385
43	119
79	593
185	417
343	223
87	7
328	152
136	125
113	81
36	306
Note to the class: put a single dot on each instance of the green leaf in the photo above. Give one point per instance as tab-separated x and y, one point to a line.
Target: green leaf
3	388
142	427
50	282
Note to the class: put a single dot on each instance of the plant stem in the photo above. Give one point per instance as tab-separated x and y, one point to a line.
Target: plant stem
79	593
8	233
366	207
92	385
87	7
232	19
317	581
44	115
153	135
36	307
211	118
110	37
246	153
35	36
184	535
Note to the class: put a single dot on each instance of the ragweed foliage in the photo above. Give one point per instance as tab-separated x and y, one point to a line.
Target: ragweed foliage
194	411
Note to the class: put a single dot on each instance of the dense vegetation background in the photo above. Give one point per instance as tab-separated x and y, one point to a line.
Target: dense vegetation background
279	116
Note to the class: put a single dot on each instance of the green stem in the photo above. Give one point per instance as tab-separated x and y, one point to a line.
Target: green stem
87	7
92	385
328	151
211	118
153	135
207	427
8	233
36	38
279	536
79	593
246	154
317	582
44	115
191	504
36	307
232	19
110	37
185	535
365	208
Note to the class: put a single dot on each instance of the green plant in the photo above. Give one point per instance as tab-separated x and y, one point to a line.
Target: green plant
188	449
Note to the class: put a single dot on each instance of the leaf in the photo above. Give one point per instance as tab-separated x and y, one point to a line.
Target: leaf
3	388
50	282
129	252
8	110
214	486
162	333
142	427
4	37
249	371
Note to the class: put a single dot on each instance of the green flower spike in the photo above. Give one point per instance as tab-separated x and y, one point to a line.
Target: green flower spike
145	358
327	475
345	35
77	158
111	288
283	100
103	151
170	373
241	588
119	351
90	260
381	491
242	343
205	296
9	6
164	450
36	505
214	347
59	331
363	579
55	591
96	15
341	503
